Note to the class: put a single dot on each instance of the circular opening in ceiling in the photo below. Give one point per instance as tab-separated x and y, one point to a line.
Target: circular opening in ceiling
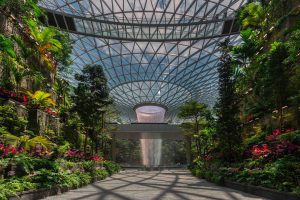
150	114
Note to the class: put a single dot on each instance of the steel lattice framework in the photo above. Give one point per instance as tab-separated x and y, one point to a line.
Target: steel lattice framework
153	51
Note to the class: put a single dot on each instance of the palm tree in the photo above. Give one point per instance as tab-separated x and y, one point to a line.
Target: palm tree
46	41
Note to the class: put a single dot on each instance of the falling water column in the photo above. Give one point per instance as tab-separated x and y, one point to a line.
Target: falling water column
150	147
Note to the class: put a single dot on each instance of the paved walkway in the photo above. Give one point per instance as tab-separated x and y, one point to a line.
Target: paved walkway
153	185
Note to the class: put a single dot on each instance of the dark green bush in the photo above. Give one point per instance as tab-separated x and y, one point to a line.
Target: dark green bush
10	121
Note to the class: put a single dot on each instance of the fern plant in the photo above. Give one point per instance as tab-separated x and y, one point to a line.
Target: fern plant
27	142
41	99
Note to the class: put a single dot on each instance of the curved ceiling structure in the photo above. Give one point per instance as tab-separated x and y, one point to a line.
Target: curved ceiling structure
161	52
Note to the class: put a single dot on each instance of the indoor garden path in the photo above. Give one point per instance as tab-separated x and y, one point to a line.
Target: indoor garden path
148	185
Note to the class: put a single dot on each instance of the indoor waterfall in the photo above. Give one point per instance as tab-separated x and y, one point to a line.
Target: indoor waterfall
150	148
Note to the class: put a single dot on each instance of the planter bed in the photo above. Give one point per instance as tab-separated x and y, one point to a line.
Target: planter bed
43	193
260	191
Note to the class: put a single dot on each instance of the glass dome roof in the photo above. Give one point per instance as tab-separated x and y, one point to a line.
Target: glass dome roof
153	51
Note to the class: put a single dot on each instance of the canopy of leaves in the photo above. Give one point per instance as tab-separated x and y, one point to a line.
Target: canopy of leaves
91	94
192	110
22	7
228	126
253	15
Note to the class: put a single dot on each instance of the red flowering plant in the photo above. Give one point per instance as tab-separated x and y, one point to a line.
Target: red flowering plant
13	95
286	147
207	157
260	151
74	154
277	145
96	158
51	112
274	135
8	151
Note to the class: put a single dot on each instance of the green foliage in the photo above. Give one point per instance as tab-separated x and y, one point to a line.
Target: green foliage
11	187
4	163
24	163
91	96
45	38
192	110
63	56
282	174
253	15
291	136
30	143
46	164
255	139
47	179
293	46
227	110
22	8
72	130
63	148
111	167
247	48
89	166
100	173
27	142
10	121
40	98
6	46
62	89
200	125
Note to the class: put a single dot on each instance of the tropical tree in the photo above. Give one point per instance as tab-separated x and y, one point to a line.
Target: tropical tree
90	98
62	89
253	16
46	42
193	111
227	110
44	37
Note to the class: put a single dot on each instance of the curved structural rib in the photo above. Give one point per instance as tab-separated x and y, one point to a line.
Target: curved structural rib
153	51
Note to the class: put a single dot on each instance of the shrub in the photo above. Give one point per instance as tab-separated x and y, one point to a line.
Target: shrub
10	121
10	187
111	167
89	166
100	173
